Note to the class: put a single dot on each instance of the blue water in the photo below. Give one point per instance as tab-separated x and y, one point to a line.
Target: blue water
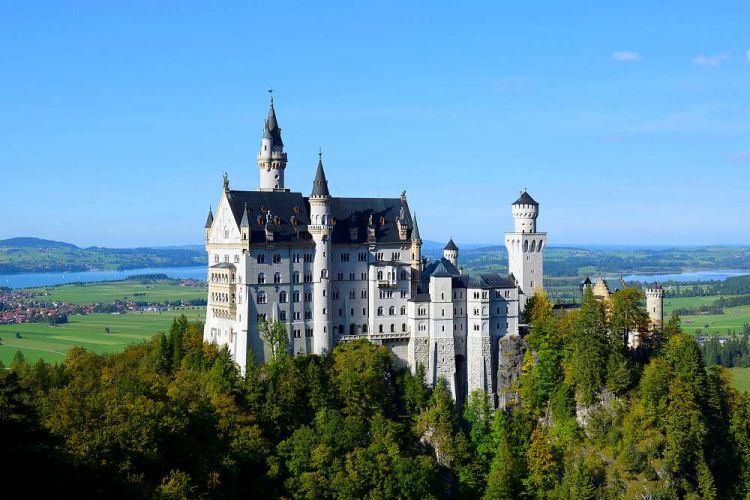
48	279
718	275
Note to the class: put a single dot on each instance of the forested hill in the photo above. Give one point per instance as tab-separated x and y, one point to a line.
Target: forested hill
28	255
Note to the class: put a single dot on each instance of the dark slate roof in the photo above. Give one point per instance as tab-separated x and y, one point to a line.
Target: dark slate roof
346	213
485	281
415	230
209	219
282	204
420	297
586	281
451	245
525	199
320	184
349	213
273	127
245	218
441	268
223	265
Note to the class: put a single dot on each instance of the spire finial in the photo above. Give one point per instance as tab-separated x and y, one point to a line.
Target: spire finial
226	181
320	153
270	92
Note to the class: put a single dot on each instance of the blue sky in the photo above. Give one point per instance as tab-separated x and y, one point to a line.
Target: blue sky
629	123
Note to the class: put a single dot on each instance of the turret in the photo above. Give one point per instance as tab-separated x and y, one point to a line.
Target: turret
209	222
450	253
525	211
271	157
416	257
320	229
655	305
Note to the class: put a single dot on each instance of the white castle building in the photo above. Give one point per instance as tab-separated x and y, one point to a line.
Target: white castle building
334	269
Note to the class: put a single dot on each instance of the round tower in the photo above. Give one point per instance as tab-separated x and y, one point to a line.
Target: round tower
271	157
450	253
320	228
525	211
655	305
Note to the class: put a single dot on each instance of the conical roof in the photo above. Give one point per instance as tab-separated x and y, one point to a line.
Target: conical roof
209	219
272	125
525	199
320	184
245	218
451	245
415	229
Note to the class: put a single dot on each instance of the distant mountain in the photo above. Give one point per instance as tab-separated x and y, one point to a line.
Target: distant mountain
25	241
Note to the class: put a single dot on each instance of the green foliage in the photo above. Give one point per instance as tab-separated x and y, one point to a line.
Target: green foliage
274	334
590	348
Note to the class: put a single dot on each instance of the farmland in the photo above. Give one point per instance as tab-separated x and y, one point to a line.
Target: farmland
123	291
734	318
40	341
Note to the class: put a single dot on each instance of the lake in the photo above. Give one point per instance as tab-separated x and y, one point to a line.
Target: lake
48	279
718	275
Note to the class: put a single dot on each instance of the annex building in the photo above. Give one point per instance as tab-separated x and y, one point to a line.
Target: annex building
334	268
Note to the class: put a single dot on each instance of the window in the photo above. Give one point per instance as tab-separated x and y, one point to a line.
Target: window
380	310
308	277
277	278
282	315
363	277
403	327
308	314
379	256
404	293
422	311
236	259
380	328
403	310
295	258
297	334
364	311
344	257
396	256
261	278
391	311
352	329
393	328
216	258
282	297
295	296
295	277
261	258
341	312
351	311
276	258
362	257
340	276
364	327
351	276
403	274
296	315
226	257
260	317
308	332
308	257
324	273
308	296
380	275
335	295
352	294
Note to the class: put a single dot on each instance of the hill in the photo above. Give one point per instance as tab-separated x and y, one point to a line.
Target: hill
30	255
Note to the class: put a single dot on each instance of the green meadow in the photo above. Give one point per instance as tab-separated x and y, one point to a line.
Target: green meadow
111	291
41	341
734	318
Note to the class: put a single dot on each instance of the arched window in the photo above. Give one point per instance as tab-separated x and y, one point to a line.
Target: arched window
403	327
403	310
262	299
261	278
276	258
380	310
282	297
380	275
295	277
277	278
295	296
261	258
380	328
364	327
391	311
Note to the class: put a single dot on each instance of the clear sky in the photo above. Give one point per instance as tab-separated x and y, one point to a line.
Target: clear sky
629	123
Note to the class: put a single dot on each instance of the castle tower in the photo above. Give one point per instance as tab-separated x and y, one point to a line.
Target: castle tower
655	305
442	349
526	248
416	257
209	223
450	253
271	157
321	228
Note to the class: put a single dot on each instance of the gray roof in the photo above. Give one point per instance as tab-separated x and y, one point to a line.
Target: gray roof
346	213
451	245
273	127
415	229
209	219
440	268
350	213
525	199
245	218
320	184
223	265
420	297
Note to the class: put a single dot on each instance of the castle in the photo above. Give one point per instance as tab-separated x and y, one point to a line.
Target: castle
333	269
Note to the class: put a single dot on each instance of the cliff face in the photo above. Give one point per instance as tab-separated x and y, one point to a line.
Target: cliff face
511	349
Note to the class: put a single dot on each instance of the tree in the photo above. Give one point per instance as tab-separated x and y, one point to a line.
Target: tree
106	330
275	335
590	348
627	316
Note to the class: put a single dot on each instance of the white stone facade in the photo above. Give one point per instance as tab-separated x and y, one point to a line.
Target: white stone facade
336	269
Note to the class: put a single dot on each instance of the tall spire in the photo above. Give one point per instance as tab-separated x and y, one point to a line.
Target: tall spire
320	184
272	125
271	157
415	229
245	222
210	218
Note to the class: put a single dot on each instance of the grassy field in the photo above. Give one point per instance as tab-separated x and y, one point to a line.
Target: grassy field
38	340
733	318
741	378
111	291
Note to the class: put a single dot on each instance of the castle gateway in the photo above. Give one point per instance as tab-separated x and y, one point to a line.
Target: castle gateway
333	269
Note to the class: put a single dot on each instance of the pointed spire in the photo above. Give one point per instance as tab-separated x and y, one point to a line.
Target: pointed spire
415	229
272	125
210	218
245	218
320	184
451	245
